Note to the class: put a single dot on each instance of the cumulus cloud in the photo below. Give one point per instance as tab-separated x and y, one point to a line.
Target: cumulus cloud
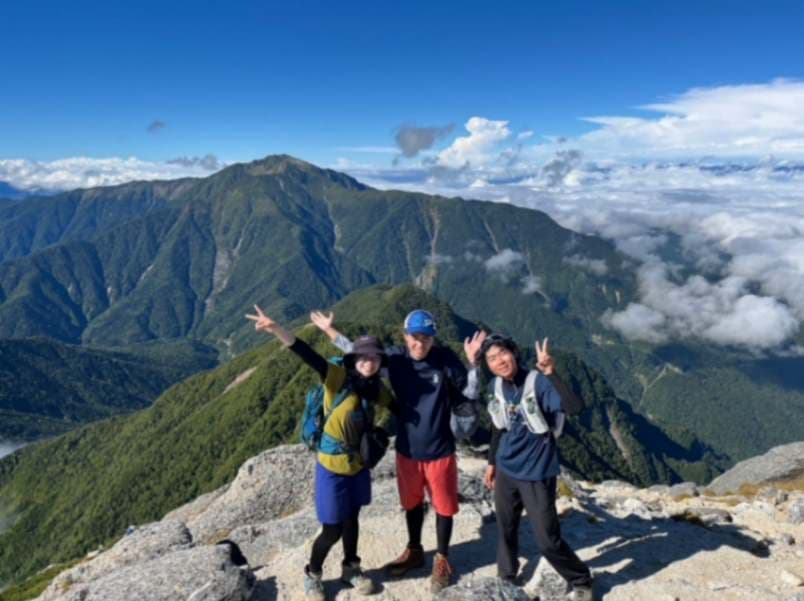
156	126
725	121
532	284
412	139
476	148
559	167
593	266
504	261
724	312
85	172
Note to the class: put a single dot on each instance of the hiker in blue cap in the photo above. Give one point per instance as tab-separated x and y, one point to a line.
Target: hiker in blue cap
342	480
431	387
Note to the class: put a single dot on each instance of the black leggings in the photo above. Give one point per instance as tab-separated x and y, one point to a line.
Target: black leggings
349	530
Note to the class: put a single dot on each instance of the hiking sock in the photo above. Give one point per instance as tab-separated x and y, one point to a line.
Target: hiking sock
415	520
330	533
443	533
351	531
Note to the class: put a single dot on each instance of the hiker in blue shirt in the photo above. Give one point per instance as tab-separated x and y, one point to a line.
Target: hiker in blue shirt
527	408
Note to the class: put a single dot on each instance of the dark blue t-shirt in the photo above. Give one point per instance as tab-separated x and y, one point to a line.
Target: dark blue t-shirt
425	393
522	454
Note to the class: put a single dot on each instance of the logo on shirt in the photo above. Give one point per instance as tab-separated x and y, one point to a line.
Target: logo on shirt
436	379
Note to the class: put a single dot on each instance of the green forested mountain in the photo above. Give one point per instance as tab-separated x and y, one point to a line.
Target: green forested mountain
48	387
60	498
183	260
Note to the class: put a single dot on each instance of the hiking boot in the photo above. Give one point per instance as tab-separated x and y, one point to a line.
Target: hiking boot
410	559
313	587
442	571
352	574
581	593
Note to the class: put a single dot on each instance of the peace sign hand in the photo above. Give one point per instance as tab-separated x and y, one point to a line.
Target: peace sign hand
544	360
261	321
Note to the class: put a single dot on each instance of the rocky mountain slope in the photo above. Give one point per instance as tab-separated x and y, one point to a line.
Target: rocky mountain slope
659	543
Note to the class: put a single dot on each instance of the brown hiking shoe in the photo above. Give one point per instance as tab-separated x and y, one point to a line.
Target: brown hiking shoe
442	572
410	559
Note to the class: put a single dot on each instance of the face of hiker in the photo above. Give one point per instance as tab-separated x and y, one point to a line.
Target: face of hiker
418	345
367	365
501	362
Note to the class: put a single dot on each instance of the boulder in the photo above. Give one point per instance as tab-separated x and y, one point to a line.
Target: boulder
780	463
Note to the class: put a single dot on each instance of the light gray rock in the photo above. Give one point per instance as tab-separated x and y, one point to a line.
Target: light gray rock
710	515
796	597
773	496
143	544
778	464
482	589
795	513
547	583
260	543
685	489
196	574
273	484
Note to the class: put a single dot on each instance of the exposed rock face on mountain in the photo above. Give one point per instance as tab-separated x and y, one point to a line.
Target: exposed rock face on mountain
642	544
780	463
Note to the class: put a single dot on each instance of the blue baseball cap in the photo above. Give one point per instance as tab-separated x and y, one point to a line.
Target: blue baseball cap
420	322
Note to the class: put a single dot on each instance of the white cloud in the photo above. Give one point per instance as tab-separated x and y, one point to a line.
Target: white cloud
504	261
724	121
531	284
593	266
85	172
638	322
724	312
474	149
713	179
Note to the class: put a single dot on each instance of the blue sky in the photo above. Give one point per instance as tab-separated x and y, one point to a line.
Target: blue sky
245	79
628	120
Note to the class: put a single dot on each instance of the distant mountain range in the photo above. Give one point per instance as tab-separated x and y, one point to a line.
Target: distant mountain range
181	260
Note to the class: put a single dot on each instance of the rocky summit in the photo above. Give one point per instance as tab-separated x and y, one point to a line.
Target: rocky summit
250	539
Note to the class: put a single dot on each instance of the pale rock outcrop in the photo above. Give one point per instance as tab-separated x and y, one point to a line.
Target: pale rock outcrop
780	463
641	544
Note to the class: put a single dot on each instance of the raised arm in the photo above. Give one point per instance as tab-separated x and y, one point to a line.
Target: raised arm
323	322
263	323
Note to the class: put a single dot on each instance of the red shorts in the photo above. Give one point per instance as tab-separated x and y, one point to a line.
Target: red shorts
439	477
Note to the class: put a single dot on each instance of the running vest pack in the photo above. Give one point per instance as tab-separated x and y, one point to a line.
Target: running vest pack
501	411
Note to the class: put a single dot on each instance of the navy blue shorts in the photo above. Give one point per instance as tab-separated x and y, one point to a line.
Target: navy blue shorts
339	497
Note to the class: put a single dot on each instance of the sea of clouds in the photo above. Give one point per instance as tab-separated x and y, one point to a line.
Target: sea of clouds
720	169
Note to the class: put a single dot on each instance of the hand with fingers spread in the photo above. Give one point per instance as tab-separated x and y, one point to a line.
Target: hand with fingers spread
544	360
471	346
263	323
323	321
